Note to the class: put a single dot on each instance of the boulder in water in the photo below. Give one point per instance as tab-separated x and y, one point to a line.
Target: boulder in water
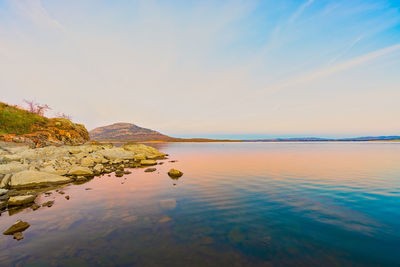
175	173
19	226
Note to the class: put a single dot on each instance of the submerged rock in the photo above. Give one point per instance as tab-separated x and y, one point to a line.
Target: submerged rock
35	206
150	170
21	200
175	173
35	178
19	226
48	203
18	236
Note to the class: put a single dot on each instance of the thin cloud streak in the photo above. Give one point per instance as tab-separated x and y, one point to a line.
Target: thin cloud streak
336	68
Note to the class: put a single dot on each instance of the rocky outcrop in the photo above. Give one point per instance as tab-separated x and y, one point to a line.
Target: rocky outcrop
54	132
24	168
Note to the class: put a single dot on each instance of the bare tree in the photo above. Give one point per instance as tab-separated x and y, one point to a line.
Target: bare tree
37	108
63	116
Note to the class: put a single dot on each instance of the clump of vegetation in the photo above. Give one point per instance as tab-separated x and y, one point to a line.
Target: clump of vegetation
14	120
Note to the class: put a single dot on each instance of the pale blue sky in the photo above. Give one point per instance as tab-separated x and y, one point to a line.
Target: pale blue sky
208	68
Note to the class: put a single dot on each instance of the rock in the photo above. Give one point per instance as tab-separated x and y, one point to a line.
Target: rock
98	168
3	205
139	157
87	162
127	172
121	167
12	158
116	153
12	167
48	203
61	192
35	206
81	171
35	178
4	197
175	173
3	191
19	226
6	180
67	197
81	179
147	162
21	200
156	156
18	236
74	151
150	170
119	173
141	149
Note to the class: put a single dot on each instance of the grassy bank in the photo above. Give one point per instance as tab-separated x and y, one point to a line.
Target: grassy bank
14	120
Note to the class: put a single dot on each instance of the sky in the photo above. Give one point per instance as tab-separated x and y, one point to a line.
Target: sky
219	69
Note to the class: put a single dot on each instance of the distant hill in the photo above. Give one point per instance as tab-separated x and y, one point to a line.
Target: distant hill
127	132
124	132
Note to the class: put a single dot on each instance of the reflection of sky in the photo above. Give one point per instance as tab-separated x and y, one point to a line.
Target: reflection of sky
348	188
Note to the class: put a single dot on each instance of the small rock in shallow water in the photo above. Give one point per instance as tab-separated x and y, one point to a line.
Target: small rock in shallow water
18	236
119	173
67	197
81	179
150	170
48	203
127	172
21	200
174	174
35	206
88	188
61	192
19	226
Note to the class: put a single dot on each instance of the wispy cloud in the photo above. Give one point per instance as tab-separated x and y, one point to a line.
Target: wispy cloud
300	11
35	12
330	70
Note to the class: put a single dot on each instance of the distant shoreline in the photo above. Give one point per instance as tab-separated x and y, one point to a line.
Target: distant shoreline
247	141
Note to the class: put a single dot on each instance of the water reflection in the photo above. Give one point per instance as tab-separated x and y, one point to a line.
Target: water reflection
237	204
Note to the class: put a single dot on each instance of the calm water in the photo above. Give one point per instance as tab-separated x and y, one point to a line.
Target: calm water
237	203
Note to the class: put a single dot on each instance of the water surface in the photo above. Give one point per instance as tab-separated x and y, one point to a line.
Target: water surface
237	204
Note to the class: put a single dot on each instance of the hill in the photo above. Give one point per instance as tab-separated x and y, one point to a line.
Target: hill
22	126
127	132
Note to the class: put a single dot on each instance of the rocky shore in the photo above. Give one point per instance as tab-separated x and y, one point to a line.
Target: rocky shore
25	171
